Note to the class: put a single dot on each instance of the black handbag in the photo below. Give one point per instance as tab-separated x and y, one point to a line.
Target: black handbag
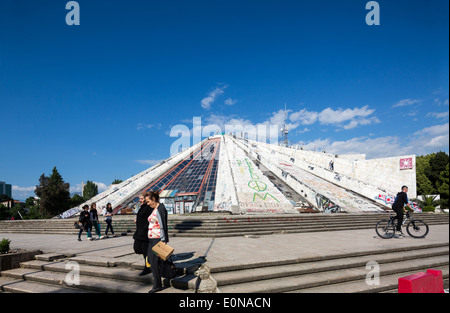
78	225
168	269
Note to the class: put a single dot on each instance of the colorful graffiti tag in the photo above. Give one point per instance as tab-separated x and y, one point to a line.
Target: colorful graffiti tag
326	205
386	199
256	185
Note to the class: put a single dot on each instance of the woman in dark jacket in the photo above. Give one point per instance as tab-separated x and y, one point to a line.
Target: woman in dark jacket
85	220
157	231
94	220
140	236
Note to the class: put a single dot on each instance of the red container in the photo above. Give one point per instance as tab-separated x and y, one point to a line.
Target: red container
429	282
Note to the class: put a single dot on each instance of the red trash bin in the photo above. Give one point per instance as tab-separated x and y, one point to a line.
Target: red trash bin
429	282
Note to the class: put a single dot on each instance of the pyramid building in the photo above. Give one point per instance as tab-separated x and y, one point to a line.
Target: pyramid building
226	173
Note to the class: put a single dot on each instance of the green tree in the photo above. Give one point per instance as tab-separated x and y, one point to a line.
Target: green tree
443	187
54	194
116	181
438	162
17	211
90	190
4	212
33	213
424	185
29	202
76	200
432	176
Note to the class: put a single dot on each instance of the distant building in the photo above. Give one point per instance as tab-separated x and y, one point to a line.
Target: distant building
10	204
5	189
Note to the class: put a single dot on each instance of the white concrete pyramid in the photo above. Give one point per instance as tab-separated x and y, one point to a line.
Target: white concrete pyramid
225	173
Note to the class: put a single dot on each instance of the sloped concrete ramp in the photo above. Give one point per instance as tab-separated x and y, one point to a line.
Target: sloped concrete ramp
322	193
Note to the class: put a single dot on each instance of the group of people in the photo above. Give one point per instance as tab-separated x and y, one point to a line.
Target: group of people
89	218
151	228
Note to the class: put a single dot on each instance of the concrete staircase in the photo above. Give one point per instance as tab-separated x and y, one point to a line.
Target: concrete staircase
47	274
219	225
313	266
334	273
345	273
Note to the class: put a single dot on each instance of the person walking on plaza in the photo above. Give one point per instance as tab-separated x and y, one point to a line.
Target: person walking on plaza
157	231
85	220
140	235
108	219
399	207
94	220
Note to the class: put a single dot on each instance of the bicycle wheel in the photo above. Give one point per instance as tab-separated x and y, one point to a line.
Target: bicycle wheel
385	229
417	229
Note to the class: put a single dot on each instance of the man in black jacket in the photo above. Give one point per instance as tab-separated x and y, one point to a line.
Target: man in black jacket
399	207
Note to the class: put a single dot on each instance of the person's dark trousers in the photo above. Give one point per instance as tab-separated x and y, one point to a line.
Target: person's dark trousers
88	229
155	263
109	227
144	245
79	233
141	247
399	219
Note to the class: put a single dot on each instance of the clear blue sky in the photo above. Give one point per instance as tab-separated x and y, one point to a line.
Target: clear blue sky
98	100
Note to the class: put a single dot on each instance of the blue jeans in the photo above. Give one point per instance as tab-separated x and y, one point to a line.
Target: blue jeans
97	228
87	228
108	227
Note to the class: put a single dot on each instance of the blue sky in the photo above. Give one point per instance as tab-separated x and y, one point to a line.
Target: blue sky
98	100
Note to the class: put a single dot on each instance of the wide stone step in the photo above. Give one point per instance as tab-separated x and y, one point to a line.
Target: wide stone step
216	221
227	266
227	226
237	226
95	283
268	272
298	282
243	232
219	232
23	286
388	283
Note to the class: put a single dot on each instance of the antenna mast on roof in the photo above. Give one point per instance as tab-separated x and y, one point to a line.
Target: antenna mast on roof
284	130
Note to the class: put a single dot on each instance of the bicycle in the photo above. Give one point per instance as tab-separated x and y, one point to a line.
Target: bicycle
415	228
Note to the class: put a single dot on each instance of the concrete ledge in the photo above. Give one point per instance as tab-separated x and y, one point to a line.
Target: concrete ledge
12	260
50	256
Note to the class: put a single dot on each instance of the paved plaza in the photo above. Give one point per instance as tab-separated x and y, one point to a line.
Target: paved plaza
232	251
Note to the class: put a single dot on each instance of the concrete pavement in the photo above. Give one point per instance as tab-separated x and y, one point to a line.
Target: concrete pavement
233	251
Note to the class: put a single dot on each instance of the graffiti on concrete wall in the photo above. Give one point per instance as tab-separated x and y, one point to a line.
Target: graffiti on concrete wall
257	185
326	205
385	198
255	192
223	206
69	213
